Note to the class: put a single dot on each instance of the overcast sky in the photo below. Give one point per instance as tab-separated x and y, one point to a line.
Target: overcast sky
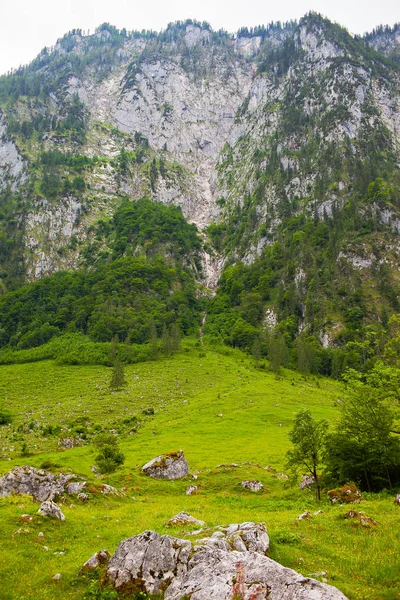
26	26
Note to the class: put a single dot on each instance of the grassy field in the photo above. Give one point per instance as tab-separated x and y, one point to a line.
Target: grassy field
219	410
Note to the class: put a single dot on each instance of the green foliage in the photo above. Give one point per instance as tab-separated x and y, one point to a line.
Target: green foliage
5	417
110	457
117	376
127	297
308	439
153	226
363	448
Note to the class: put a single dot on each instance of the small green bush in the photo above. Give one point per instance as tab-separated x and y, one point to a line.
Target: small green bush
5	417
287	537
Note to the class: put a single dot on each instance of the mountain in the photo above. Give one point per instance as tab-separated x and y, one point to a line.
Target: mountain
280	143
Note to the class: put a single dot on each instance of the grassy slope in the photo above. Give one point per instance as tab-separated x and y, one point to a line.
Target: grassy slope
187	393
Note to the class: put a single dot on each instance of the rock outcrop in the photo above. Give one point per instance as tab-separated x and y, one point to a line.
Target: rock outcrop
75	487
167	466
40	484
210	570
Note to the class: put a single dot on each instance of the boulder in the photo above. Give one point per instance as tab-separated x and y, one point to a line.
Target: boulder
51	509
154	564
40	484
148	562
167	466
253	485
97	560
183	518
397	499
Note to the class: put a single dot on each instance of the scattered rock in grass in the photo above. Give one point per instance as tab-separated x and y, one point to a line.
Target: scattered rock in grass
82	497
94	469
51	509
97	560
192	489
195	477
19	531
156	564
348	494
318	512
167	466
360	518
307	482
270	469
40	534
40	484
305	515
253	485
69	442
109	489
397	499
56	577
25	518
281	477
183	518
75	487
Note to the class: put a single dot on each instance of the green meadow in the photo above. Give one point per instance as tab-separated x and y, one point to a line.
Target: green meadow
221	411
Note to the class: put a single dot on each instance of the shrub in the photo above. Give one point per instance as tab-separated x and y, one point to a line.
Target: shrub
109	457
5	417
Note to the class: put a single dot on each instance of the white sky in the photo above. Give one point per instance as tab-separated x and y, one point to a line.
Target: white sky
26	26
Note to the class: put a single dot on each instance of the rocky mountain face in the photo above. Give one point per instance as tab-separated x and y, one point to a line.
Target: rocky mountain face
281	144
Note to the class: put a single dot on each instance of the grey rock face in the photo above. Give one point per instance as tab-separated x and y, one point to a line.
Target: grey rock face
11	162
40	484
51	509
167	466
210	571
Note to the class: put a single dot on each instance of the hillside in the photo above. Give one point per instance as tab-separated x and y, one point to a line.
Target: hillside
239	416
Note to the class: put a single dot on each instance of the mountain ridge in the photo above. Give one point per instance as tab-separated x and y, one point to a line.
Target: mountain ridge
280	141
